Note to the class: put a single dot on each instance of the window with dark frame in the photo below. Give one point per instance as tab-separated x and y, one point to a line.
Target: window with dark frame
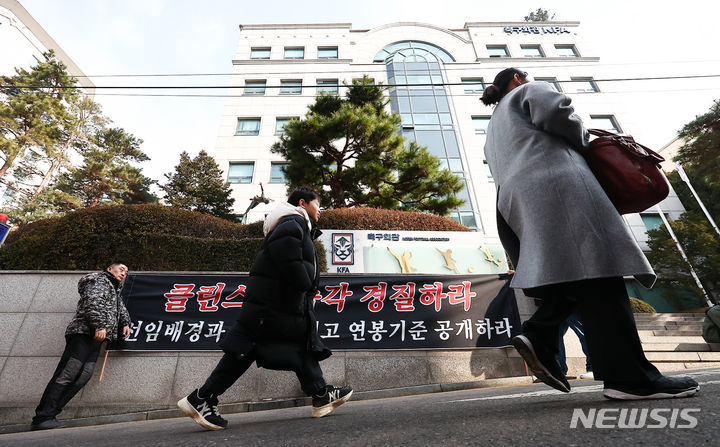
241	172
248	126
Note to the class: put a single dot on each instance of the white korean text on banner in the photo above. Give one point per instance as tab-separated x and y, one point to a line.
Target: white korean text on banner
364	312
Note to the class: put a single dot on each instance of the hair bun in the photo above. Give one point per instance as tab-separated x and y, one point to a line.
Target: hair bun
491	95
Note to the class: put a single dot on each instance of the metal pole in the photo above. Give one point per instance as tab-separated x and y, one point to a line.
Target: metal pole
682	252
685	179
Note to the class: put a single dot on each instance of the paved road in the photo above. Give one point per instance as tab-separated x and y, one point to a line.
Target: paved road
518	416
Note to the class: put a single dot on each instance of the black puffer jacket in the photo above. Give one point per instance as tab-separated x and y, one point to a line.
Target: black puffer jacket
277	320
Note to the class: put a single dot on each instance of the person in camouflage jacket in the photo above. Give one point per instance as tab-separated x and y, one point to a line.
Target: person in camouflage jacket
101	315
100	306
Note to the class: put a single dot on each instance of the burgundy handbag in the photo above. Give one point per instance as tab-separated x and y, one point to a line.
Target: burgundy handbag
628	171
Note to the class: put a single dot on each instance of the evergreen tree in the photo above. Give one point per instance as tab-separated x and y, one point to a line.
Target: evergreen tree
350	150
106	172
139	192
197	185
541	15
34	111
700	158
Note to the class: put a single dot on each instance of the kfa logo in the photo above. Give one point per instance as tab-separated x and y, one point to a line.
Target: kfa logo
343	248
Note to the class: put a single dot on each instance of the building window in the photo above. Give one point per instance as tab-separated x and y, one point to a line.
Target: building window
419	94
567	51
291	87
241	172
604	122
652	221
276	172
473	86
531	51
280	124
294	53
498	51
552	81
454	165
248	126
481	123
260	53
254	87
584	85
327	53
327	86
467	218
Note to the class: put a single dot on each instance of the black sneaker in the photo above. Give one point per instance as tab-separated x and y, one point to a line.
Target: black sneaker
204	411
663	388
44	424
332	397
548	372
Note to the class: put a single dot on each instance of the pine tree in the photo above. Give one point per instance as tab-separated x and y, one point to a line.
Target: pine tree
34	111
197	185
541	15
700	158
106	172
350	150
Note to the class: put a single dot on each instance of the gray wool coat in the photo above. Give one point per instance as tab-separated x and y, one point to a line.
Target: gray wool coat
554	219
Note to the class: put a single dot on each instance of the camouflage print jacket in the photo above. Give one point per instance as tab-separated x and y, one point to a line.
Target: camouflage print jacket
99	307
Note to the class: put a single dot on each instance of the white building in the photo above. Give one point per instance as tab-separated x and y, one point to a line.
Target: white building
278	70
22	44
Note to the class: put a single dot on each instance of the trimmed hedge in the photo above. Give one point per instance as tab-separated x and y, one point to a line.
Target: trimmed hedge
132	219
381	219
160	238
145	237
640	307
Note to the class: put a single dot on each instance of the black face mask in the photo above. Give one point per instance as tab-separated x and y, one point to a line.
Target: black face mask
314	230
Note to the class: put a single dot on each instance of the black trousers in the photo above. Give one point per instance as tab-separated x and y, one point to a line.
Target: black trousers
230	368
74	370
610	332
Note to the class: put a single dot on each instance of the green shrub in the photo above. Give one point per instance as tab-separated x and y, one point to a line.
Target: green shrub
160	238
640	306
145	237
380	219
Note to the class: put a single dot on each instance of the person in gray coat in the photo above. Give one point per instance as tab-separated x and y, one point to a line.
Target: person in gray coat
569	245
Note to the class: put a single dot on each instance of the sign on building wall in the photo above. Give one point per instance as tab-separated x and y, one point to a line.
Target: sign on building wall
427	252
193	312
536	30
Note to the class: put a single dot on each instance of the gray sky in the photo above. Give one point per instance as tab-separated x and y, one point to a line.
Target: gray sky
107	37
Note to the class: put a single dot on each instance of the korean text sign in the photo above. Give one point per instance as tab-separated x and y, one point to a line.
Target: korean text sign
364	312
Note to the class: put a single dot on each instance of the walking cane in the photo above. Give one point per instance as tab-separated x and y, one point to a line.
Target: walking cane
102	370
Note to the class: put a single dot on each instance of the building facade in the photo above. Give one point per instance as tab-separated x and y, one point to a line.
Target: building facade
23	42
435	78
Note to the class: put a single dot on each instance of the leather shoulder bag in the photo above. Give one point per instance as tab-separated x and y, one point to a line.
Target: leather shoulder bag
629	172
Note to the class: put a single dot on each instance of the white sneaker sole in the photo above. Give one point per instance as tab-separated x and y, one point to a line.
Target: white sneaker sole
318	412
620	395
190	411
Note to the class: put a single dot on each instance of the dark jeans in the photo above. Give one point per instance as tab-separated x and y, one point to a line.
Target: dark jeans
573	322
72	373
610	332
230	368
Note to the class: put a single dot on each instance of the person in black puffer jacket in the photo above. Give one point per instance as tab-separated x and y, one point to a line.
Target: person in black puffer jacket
276	327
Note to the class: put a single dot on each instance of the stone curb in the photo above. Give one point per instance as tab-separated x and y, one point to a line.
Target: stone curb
242	407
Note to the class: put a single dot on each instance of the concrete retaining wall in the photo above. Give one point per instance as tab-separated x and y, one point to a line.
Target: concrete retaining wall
35	308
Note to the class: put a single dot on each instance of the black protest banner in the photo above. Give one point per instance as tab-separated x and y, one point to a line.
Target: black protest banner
364	312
